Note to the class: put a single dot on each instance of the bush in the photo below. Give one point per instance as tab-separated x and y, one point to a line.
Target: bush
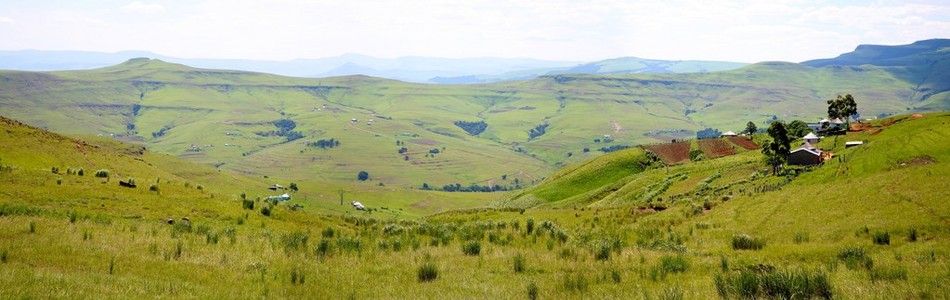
472	248
881	238
427	271
81	172
265	210
751	284
519	263
352	244
362	176
102	173
247	204
153	188
602	251
746	242
327	232
323	248
529	227
294	241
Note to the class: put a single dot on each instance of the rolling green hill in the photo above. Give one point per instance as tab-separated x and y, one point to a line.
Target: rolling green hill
870	223
229	116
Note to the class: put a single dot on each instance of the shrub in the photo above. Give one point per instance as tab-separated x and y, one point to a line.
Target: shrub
59	181
888	273
855	257
81	172
352	244
362	176
323	248
881	238
427	271
529	227
297	277
519	263
153	188
72	216
615	276
472	248
746	242
266	210
102	173
247	204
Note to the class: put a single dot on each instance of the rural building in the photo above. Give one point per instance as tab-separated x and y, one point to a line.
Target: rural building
358	206
283	197
806	155
729	133
275	187
853	144
810	138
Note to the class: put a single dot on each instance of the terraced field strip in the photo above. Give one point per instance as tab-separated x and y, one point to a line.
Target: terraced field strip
671	153
714	148
744	142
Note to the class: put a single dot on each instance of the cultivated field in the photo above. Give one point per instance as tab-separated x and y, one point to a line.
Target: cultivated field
671	153
714	148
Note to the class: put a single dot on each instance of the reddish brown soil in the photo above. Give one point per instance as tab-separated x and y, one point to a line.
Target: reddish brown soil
714	148
672	153
744	142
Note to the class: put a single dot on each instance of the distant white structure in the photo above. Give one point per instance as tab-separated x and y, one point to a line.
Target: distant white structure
358	206
283	197
729	133
811	138
853	144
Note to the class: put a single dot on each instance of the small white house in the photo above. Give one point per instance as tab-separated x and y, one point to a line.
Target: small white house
811	138
358	206
729	133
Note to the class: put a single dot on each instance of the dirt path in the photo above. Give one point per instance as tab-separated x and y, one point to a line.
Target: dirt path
362	129
616	125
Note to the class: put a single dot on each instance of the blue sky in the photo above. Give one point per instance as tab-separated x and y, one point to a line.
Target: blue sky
745	31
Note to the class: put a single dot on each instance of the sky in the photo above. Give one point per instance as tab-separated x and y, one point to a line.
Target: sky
568	30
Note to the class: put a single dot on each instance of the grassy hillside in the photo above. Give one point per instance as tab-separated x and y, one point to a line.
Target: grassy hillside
229	116
868	225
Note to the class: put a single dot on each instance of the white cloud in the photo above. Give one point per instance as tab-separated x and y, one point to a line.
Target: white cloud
5	20
139	7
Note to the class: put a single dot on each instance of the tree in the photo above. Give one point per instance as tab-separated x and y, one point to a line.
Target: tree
750	128
798	128
842	107
362	176
776	152
293	186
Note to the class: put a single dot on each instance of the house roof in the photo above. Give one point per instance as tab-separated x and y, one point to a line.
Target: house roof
854	143
824	121
812	151
810	136
729	133
837	121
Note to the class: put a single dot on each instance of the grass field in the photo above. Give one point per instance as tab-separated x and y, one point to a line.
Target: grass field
870	223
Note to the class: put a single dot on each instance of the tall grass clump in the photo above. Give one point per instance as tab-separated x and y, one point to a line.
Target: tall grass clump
349	244
912	234
247	204
81	172
4	256
888	274
801	238
32	227
746	242
854	258
428	271
770	284
881	238
574	283
102	173
533	291
472	248
294	241
266	210
674	263
519	263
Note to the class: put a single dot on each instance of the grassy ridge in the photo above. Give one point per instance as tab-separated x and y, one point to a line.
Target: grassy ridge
217	107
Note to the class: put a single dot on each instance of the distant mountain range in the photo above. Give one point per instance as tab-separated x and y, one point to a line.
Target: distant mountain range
410	69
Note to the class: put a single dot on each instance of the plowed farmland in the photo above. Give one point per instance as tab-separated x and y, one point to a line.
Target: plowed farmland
672	153
714	148
744	142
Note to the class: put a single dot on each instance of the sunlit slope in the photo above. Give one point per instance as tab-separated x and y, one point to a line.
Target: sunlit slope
230	115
